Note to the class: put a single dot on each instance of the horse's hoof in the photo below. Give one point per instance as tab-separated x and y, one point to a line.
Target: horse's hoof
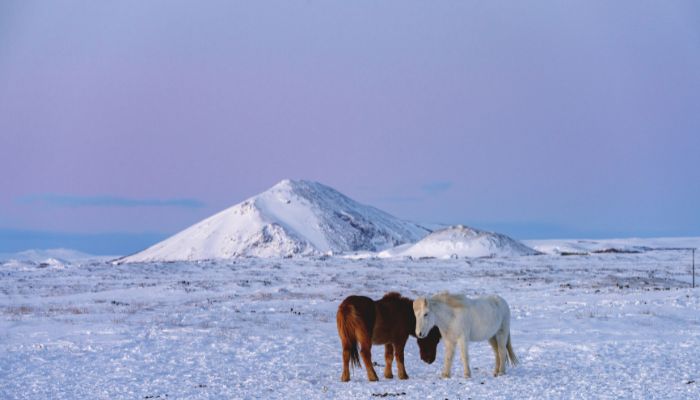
373	378
403	376
389	376
344	378
445	376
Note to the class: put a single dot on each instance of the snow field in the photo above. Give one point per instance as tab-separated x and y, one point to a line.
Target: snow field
599	326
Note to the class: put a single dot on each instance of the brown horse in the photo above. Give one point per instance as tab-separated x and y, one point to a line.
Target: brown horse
388	321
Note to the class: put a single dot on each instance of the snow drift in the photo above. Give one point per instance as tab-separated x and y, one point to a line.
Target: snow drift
461	241
291	218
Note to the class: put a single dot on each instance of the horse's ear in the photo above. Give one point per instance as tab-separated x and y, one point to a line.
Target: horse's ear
424	301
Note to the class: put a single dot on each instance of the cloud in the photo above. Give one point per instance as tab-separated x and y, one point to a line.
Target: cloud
436	187
60	200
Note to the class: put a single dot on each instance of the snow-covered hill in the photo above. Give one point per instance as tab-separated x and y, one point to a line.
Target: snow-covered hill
291	218
51	256
461	241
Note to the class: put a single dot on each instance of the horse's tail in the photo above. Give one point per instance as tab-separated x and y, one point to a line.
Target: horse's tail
511	354
348	322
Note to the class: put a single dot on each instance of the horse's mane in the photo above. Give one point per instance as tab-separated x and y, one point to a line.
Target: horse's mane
396	296
452	300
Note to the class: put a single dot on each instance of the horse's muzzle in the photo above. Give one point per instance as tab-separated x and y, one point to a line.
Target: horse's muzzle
428	359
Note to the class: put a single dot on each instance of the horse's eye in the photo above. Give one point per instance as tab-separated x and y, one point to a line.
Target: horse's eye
425	315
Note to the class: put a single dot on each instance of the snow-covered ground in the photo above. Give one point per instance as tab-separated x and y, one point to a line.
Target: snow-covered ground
597	326
629	245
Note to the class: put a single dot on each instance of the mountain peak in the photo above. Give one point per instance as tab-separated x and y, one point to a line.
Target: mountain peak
293	217
300	186
285	183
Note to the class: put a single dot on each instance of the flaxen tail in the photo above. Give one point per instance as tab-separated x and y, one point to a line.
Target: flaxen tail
511	354
348	324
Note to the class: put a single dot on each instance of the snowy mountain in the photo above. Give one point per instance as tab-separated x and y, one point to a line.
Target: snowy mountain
461	241
49	256
291	218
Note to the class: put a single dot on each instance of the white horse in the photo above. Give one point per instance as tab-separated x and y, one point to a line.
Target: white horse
462	320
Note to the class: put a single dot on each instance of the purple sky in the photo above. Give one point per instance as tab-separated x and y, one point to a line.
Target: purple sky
538	119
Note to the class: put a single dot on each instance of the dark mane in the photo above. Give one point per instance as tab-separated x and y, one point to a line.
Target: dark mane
396	296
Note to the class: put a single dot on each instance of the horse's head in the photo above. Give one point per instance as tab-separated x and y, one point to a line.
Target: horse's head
425	319
428	345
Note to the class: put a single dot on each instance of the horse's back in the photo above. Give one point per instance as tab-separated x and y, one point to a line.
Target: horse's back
488	315
357	316
394	318
498	302
357	307
494	304
393	308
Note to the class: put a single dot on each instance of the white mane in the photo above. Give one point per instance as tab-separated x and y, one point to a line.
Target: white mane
452	300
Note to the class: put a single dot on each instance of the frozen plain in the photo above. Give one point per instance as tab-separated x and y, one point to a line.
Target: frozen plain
595	326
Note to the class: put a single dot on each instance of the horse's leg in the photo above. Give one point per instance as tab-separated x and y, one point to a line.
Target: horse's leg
366	352
346	363
348	345
398	348
494	345
388	359
449	353
464	351
502	339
